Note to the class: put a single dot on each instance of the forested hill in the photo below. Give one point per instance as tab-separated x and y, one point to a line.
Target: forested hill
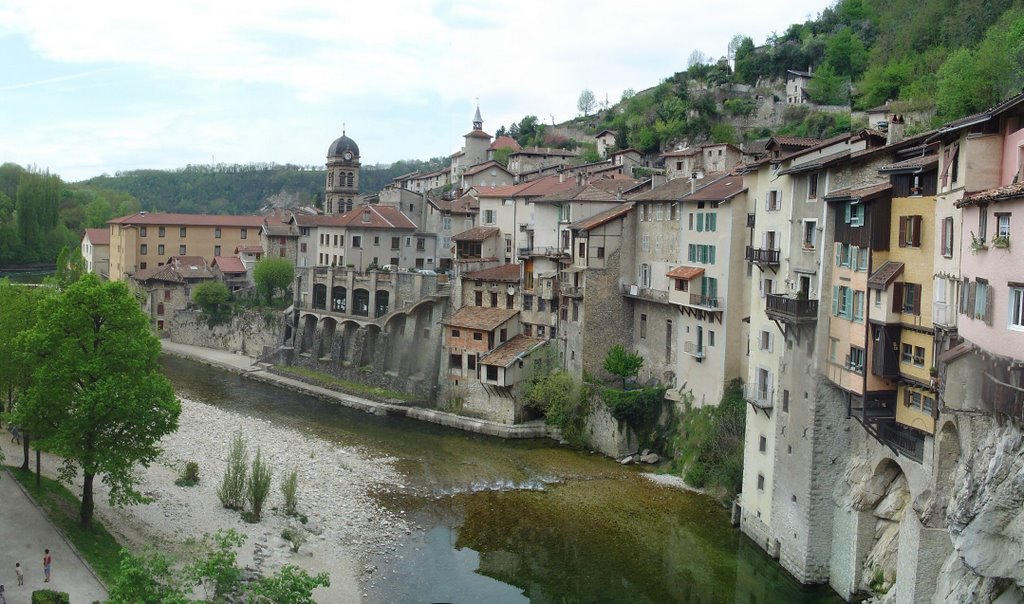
241	189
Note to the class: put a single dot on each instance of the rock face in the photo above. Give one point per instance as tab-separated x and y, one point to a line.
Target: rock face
880	566
985	516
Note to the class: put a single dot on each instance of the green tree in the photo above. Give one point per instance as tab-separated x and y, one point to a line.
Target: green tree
70	267
258	486
17	315
272	274
147	578
212	297
846	53
827	87
97	397
291	584
623	364
501	155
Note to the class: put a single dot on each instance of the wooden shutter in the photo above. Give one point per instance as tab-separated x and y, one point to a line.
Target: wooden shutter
917	231
972	289
988	304
917	299
944	242
903	231
897	296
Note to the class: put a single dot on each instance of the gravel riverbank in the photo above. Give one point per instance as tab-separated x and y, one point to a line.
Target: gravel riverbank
345	525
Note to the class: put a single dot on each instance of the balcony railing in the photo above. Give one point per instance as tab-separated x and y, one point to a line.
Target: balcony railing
1004	398
758	395
645	293
907	442
571	291
790	309
549	251
703	301
694	349
944	314
764	256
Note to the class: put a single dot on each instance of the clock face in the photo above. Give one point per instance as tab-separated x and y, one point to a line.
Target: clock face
347	155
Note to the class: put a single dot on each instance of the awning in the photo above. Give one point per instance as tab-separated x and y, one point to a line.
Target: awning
881	278
685	273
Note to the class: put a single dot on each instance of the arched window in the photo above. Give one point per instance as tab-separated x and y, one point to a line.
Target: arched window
351	179
330	178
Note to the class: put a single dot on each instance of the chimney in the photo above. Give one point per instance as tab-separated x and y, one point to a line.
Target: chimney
561	176
896	129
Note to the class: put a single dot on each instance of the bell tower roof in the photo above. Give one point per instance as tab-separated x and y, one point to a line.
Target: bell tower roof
478	122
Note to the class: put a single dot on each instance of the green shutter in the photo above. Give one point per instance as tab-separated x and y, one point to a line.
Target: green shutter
711	255
835	300
839	254
700	221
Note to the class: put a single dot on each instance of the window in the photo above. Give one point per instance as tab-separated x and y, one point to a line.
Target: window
645	242
216	250
160	249
357	241
181	250
982	224
812	186
142	265
704	254
489	216
478	336
833	346
854	214
912	298
982	294
668	341
842	302
710	222
643	326
478	298
142	231
711	338
245	233
764	341
527	302
599	252
494	299
772	201
645	275
542	305
947	237
540	331
760	482
910	231
856	360
682	285
143	249
858	306
1002	225
471	362
918	359
810	234
762	444
421	244
785	401
216	233
376	241
907	353
167	294
160	308
455	361
1016	308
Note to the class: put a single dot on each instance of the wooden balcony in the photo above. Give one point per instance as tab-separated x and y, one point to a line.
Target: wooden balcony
762	256
1004	398
789	309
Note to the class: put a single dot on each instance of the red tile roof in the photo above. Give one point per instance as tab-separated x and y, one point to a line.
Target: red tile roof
545	151
685	272
148	218
476	234
229	264
912	164
505	142
249	249
372	216
485	166
507	353
165	273
860	194
98	236
480	318
477	134
1006	193
505	272
602	217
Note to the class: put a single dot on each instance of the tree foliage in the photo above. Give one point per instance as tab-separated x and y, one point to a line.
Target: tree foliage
213	298
587	102
272	274
828	87
710	443
623	364
97	397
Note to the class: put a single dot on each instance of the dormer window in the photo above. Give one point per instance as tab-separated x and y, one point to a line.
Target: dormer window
366	215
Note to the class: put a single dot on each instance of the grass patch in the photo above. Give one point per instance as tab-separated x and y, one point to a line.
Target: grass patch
96	545
329	381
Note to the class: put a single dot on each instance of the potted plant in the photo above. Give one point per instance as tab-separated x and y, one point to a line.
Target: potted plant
977	243
1002	241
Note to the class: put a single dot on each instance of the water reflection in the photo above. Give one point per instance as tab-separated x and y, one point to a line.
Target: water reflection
514	521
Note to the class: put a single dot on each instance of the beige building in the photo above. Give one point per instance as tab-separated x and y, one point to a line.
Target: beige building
145	239
96	251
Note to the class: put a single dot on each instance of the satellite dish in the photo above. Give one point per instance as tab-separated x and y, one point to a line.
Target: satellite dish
511	290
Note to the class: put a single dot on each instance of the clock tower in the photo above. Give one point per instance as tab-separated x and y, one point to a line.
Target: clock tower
342	176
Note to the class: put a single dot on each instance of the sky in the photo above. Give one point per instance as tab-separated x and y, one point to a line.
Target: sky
88	88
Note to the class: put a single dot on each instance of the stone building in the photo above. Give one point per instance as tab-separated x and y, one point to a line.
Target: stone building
446	218
605	141
372	236
474	150
168	287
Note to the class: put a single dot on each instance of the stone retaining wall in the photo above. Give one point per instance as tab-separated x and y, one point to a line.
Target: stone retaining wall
246	333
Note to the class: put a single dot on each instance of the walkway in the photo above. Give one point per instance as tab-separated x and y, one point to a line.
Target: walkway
247	366
24	533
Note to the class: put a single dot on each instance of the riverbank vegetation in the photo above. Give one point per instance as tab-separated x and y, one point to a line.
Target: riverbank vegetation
709	445
326	380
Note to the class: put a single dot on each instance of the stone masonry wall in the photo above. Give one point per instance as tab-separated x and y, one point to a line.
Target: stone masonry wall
246	333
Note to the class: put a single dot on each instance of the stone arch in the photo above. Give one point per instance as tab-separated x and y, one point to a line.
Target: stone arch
349	329
381	302
306	333
397	343
371	336
320	296
361	302
328	326
339	299
891	492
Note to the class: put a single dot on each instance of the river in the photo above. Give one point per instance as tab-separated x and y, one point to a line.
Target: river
521	521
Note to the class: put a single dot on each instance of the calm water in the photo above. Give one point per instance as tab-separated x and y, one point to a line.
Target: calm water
514	521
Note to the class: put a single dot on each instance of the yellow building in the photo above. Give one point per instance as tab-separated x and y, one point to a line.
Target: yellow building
147	239
908	295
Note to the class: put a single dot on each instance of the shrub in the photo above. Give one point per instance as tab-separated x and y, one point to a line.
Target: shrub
49	596
295	535
232	488
190	476
288	489
258	486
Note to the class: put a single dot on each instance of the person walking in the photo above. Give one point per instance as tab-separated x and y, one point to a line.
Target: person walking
47	563
20	573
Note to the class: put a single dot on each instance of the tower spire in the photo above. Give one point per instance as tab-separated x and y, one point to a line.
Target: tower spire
478	122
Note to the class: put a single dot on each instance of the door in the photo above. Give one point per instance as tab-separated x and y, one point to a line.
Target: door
805	287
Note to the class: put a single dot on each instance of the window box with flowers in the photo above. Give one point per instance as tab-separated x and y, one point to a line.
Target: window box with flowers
977	243
1001	241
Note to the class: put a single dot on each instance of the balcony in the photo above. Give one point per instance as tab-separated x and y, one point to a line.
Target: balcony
546	251
944	315
903	440
1004	398
789	309
759	396
645	293
693	349
571	291
762	256
706	302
